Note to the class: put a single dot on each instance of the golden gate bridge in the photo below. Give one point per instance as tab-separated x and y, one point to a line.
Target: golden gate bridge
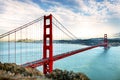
48	58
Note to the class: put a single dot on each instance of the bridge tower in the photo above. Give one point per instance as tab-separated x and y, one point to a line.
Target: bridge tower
47	44
105	41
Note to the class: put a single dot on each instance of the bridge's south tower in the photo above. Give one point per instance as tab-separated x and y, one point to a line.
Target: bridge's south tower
47	44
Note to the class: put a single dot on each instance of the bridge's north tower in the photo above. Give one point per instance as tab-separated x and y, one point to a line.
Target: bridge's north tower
105	41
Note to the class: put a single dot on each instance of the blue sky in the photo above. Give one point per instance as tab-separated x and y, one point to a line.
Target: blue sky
90	18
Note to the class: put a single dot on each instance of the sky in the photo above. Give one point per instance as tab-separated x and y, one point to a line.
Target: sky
84	18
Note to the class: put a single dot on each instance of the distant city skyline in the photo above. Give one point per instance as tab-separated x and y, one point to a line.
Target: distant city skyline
84	18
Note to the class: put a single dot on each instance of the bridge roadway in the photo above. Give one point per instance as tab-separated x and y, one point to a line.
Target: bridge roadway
40	62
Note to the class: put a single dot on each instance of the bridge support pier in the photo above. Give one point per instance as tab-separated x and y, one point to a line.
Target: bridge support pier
105	41
47	44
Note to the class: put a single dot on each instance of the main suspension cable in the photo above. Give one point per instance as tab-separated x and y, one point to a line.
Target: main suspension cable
21	27
65	28
63	31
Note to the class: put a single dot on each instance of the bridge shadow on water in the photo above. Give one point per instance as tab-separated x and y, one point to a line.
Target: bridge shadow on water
100	56
104	52
101	67
93	62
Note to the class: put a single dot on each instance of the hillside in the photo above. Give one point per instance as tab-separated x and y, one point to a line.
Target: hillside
11	71
91	42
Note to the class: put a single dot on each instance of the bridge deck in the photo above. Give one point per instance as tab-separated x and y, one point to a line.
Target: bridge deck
59	56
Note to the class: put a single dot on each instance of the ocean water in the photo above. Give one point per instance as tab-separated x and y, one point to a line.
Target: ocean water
97	63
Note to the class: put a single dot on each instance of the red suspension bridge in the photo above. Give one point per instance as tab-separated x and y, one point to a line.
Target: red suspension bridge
20	34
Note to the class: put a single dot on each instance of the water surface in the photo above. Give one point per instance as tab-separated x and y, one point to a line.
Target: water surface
97	63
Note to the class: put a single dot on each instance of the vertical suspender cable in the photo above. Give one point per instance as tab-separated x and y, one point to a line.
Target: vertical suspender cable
34	44
39	49
0	52
40	38
26	45
66	29
8	48
21	47
15	47
63	31
30	37
35	56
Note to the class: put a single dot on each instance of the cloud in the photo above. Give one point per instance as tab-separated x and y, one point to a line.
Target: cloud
16	13
82	26
101	10
85	21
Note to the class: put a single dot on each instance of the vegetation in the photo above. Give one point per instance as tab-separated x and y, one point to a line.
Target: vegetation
11	71
58	74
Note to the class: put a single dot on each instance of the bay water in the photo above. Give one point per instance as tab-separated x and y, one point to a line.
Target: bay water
97	63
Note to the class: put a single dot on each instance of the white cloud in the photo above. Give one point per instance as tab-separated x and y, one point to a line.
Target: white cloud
101	10
83	26
16	13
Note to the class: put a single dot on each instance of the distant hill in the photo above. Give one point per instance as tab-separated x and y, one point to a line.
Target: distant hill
90	42
25	40
117	35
